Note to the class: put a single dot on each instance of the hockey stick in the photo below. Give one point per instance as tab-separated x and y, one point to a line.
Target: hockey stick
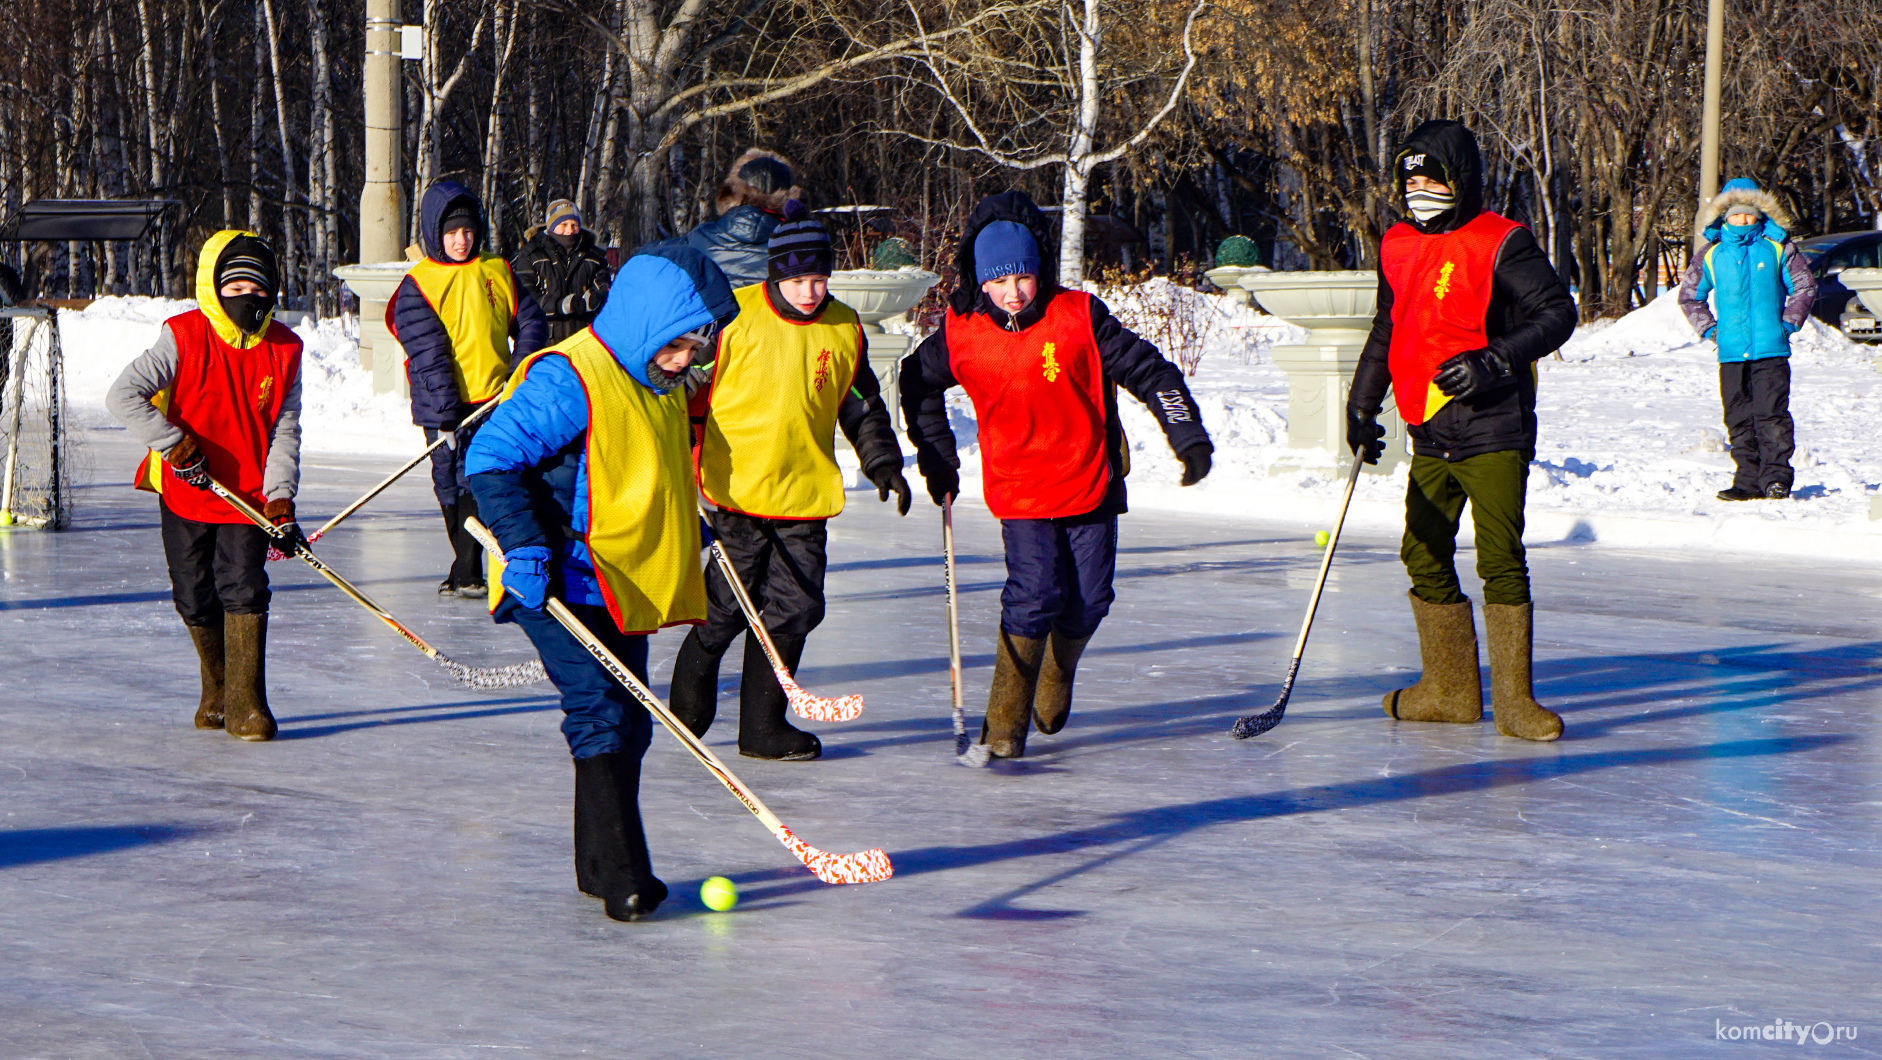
1256	724
484	677
869	866
813	708
978	754
275	553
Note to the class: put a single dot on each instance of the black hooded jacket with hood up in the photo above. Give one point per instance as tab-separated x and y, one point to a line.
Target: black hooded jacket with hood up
1531	314
1128	361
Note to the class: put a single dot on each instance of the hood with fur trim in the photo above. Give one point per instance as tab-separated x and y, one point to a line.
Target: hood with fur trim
734	191
1743	192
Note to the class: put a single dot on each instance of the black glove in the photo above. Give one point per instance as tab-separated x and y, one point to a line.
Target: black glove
1469	374
1363	431
186	459
943	481
889	477
289	538
1196	461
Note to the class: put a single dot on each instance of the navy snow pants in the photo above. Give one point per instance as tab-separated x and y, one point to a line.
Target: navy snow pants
1058	575
600	717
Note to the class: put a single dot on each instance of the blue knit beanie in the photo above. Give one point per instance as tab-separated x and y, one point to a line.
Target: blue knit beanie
1004	248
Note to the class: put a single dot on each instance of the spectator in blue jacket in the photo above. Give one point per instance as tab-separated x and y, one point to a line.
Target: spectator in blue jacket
463	320
615	537
1762	290
750	203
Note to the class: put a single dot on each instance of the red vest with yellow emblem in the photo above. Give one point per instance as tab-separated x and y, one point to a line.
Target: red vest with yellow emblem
1039	397
228	399
1441	285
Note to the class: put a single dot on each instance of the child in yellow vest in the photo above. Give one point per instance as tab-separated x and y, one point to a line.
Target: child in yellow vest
792	369
463	320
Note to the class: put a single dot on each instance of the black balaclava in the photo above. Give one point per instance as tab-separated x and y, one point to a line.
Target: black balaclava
247	258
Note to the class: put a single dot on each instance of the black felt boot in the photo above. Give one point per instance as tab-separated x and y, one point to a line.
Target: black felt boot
209	654
448	587
694	694
763	731
467	572
611	860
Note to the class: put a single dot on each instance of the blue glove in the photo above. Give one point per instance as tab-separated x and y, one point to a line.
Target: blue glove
526	575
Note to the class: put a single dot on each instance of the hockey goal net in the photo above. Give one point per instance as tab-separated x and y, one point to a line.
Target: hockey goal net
36	489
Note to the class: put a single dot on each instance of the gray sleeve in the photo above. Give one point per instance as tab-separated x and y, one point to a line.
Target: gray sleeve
281	475
1694	285
1803	287
129	398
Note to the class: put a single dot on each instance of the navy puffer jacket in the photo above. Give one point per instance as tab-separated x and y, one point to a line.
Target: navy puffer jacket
737	242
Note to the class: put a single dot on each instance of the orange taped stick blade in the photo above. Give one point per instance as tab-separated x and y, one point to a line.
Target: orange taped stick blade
818	708
869	866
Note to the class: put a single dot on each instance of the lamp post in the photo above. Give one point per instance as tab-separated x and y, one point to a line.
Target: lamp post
1709	123
381	199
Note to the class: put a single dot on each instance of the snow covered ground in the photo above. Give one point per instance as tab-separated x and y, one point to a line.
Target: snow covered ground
1631	450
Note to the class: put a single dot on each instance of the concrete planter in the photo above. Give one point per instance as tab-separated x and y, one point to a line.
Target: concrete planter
1867	283
877	295
1229	278
1336	308
374	285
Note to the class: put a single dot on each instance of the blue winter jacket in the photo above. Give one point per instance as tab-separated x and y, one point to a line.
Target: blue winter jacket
1761	287
738	242
528	463
435	398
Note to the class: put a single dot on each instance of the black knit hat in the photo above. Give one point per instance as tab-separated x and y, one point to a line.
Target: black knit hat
799	246
247	258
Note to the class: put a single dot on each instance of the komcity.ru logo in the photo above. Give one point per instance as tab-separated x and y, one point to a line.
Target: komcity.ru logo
1820	1033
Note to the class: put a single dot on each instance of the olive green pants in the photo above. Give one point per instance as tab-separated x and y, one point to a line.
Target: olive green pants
1495	484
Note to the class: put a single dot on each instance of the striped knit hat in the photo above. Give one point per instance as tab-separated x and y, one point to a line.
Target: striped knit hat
559	211
247	258
799	246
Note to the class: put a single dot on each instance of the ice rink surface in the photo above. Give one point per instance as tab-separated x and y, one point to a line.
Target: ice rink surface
391	878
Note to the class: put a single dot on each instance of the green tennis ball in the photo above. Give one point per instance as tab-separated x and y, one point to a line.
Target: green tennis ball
719	894
1322	538
6	518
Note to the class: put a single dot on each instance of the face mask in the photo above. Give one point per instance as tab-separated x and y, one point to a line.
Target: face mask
247	310
1424	205
566	241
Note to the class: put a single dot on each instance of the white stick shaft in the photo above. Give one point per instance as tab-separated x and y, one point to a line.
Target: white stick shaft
954	612
744	604
1326	559
400	473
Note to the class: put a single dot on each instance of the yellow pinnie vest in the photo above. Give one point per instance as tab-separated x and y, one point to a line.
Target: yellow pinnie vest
770	437
476	303
643	523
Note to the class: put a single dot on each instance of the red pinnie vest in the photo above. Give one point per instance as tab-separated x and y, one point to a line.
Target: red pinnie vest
228	399
1441	288
1039	396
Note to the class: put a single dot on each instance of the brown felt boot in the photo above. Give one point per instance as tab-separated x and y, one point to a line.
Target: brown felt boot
244	697
1511	629
1450	689
208	641
1009	702
1052	701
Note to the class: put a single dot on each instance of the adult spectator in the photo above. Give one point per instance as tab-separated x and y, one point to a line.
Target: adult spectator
750	203
563	266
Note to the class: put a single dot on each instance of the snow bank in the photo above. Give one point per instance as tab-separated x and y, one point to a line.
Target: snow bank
1631	449
340	413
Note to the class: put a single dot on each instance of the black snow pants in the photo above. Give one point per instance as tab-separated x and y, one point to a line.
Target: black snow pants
1757	397
781	562
215	568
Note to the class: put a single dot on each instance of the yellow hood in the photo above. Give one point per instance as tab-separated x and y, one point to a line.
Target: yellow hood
210	301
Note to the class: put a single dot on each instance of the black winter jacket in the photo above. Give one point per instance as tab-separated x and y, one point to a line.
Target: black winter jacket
1531	314
569	283
436	402
738	242
927	373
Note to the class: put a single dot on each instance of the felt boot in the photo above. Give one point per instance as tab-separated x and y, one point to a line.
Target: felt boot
244	692
1450	689
1052	701
1010	700
1510	629
694	692
467	571
763	731
611	860
209	653
448	587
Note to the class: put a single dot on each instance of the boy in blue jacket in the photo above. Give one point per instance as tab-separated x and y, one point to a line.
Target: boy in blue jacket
463	320
1762	290
584	475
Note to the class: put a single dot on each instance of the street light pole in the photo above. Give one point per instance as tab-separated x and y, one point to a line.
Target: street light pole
382	200
1709	124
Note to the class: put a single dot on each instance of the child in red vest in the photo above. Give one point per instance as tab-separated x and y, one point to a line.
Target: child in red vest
219	396
1042	365
1468	304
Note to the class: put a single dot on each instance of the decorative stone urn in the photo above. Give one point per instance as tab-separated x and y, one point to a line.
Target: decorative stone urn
1867	283
877	295
374	285
1229	279
1336	308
